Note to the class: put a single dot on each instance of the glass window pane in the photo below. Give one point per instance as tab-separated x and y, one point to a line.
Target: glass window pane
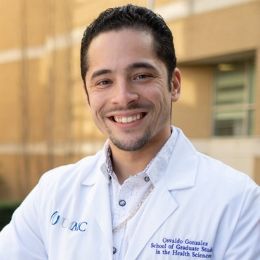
230	96
233	114
228	127
229	115
228	80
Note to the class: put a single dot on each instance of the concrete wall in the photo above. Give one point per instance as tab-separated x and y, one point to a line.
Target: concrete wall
205	38
193	111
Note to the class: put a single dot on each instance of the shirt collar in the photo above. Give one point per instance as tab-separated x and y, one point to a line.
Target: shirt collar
160	162
155	168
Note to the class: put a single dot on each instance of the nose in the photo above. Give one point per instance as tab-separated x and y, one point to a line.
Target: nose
124	94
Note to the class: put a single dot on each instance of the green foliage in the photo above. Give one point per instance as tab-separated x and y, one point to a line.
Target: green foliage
6	211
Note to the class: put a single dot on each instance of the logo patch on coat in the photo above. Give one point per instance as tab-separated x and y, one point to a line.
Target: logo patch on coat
63	222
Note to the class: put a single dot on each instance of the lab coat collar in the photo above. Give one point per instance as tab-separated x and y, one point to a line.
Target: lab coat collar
180	173
182	169
92	168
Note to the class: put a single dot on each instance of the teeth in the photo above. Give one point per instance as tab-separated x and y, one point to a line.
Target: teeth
127	119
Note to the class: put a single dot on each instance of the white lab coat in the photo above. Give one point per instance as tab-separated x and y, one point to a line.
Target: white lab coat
200	209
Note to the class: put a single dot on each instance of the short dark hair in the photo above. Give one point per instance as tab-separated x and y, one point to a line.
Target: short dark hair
136	17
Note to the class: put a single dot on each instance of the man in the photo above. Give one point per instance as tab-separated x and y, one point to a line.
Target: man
148	194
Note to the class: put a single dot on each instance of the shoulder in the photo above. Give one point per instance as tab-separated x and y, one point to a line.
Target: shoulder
225	181
218	170
62	184
209	175
68	175
209	170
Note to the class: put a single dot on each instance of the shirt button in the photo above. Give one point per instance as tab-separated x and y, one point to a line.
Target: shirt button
114	250
122	203
146	178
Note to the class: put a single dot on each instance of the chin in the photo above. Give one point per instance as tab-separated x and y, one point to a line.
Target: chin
134	145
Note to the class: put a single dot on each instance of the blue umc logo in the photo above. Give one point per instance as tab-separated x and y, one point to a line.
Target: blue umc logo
57	219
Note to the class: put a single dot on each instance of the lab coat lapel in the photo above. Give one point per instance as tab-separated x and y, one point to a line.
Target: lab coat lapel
180	174
100	211
160	201
102	205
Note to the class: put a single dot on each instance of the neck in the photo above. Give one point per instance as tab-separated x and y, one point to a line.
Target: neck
129	163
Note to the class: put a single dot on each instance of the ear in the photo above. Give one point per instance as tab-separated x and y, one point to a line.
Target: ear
176	85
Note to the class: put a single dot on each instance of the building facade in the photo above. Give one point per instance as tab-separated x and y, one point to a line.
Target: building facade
44	115
217	45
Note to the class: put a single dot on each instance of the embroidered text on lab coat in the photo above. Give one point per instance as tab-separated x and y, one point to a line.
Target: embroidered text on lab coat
182	247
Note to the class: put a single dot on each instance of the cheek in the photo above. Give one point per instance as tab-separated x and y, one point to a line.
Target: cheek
158	97
95	101
97	118
97	108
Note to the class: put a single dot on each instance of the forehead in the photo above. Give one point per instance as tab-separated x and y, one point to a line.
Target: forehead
113	47
123	34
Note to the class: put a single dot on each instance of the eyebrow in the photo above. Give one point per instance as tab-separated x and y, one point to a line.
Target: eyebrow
138	65
135	65
100	72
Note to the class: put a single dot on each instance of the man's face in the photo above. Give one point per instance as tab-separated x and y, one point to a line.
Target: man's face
128	89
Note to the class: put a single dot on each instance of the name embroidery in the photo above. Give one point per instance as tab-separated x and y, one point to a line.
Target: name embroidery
63	222
183	247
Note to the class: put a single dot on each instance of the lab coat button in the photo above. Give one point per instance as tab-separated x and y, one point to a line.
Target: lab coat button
114	250
122	203
146	179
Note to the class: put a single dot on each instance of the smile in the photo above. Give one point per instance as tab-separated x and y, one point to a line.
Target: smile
127	119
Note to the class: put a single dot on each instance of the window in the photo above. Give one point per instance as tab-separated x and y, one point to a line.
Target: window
234	99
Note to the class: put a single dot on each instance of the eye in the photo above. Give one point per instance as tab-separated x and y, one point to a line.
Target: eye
103	83
142	76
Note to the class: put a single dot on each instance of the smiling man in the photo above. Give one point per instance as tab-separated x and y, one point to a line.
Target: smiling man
148	194
130	95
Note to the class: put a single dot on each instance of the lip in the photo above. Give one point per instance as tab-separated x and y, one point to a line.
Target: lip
127	118
125	113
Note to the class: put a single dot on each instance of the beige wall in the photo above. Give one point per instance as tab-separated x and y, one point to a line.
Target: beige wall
19	173
217	33
193	111
201	38
9	104
205	39
257	94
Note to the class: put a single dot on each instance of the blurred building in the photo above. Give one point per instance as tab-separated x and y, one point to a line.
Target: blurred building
44	116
